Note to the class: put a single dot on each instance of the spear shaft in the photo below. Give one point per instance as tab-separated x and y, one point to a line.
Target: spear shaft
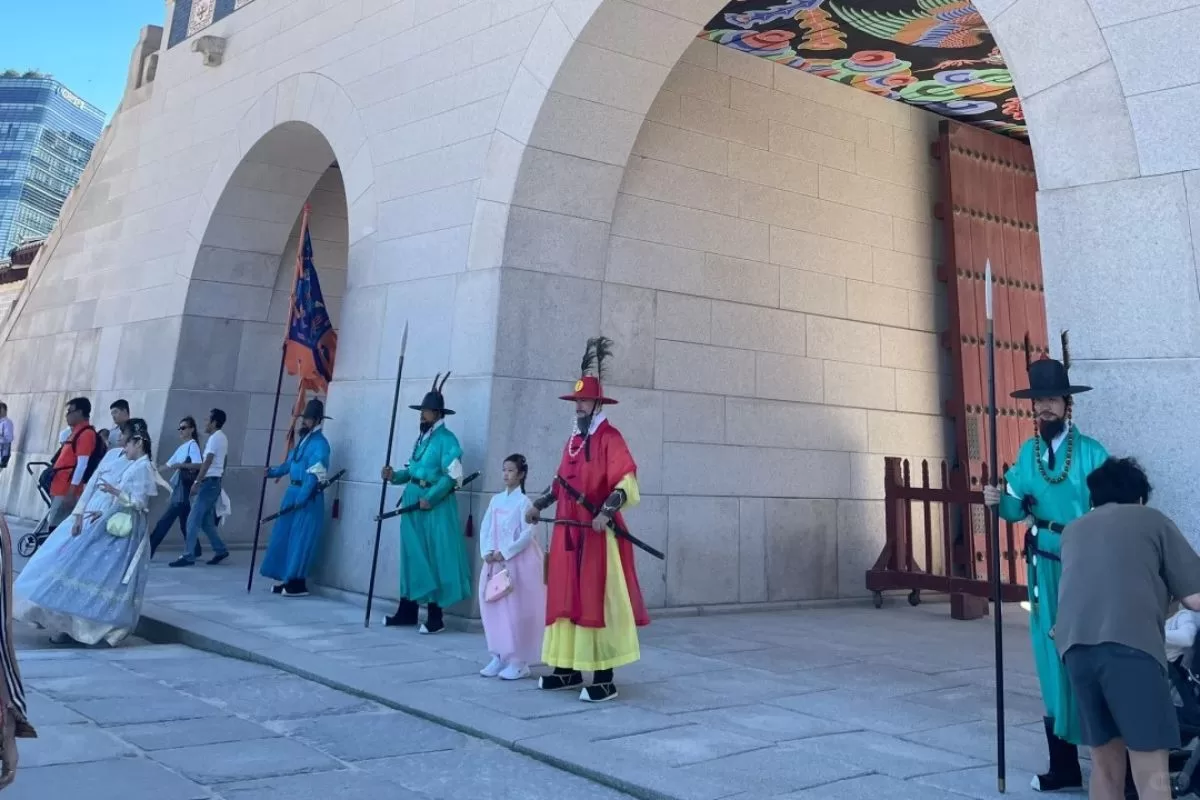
994	532
384	487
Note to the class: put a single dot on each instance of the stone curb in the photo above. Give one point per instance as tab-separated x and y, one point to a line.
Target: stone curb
162	625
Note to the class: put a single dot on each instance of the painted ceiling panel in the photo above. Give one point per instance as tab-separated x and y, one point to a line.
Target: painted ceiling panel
935	54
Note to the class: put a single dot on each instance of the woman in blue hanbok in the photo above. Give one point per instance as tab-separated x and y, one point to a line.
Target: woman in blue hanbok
89	584
297	533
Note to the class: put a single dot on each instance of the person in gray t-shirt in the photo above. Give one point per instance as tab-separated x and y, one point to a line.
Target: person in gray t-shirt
1122	565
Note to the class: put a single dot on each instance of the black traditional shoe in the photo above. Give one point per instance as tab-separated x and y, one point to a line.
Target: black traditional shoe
433	620
405	616
599	692
296	588
560	680
278	588
1064	764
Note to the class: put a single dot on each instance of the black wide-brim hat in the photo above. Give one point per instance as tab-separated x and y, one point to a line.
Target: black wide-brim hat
314	409
433	402
1048	378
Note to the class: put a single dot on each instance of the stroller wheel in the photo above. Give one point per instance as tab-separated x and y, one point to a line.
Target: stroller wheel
28	545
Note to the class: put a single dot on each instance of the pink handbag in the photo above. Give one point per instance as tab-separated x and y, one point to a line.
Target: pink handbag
499	585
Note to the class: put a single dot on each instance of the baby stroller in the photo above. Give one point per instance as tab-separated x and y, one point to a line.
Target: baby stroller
1185	761
28	544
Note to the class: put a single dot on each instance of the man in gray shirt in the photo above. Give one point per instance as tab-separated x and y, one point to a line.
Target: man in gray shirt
1122	565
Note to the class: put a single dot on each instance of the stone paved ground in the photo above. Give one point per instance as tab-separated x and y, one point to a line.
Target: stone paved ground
166	722
815	704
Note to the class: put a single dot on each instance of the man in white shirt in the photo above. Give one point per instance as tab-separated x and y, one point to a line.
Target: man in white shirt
206	491
6	436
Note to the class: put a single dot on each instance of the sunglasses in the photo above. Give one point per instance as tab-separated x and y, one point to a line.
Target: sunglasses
185	427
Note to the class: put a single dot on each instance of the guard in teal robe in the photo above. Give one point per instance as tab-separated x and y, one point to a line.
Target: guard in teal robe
297	534
434	570
1048	487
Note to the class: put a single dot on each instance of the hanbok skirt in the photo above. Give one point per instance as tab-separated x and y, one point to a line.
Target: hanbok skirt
90	586
514	625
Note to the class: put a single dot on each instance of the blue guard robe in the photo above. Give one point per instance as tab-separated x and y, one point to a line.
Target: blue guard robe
1061	503
296	535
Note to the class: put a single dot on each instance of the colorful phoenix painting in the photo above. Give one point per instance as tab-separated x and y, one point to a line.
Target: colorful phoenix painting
935	54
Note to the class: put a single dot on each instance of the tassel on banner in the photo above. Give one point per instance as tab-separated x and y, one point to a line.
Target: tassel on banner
469	532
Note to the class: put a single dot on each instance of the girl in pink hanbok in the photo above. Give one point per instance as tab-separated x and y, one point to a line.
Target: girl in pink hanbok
512	589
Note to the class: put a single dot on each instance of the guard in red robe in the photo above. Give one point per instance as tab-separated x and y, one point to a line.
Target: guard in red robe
594	604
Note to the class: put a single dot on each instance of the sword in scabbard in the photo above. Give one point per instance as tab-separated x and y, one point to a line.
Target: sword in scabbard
322	486
617	528
417	506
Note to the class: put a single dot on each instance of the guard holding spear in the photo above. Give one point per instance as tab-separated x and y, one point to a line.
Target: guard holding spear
1047	488
434	570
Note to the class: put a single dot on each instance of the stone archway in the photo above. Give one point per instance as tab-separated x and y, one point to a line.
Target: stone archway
547	209
299	145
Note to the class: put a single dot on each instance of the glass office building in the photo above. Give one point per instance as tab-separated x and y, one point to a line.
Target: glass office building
46	138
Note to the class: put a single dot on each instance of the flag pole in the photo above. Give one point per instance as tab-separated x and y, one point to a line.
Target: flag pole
384	487
262	494
994	538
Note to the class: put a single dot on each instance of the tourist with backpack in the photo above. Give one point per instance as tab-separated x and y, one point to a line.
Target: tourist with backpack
75	461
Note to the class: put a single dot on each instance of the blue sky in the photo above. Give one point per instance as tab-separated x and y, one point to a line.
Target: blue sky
86	44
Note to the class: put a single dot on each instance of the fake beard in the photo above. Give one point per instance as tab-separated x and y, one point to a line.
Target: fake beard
1049	429
583	423
305	430
425	426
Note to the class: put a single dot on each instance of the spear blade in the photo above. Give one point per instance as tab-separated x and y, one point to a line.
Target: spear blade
987	288
404	340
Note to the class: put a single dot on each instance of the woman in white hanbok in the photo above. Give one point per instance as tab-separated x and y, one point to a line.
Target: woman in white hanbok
87	582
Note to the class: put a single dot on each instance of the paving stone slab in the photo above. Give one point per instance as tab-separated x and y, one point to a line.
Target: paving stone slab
668	698
882	714
789	660
44	711
706	644
125	654
765	722
880	680
613	721
71	744
980	784
433	669
686	744
348	784
871	786
384	655
659	664
776	770
198	669
360	737
86	687
150	708
1023	749
751	685
121	779
1019	709
279	697
483	771
888	755
190	732
38	669
242	761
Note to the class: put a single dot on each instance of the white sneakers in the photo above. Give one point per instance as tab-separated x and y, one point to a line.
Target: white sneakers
508	672
514	672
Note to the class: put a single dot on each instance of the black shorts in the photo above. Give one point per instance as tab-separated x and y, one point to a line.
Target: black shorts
1122	693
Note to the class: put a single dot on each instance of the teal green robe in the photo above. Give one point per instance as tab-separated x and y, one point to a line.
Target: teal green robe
433	556
1062	503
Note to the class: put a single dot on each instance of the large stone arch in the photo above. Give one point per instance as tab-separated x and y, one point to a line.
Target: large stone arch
301	143
1105	154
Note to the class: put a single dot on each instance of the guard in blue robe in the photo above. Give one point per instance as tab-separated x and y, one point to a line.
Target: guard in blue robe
297	534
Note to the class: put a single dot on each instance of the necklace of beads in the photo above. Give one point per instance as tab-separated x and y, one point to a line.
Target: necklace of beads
572	450
418	449
1037	455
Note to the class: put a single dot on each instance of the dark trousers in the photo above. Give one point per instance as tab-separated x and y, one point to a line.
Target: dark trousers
178	510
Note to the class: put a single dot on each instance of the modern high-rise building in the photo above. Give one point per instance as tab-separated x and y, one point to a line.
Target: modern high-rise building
46	138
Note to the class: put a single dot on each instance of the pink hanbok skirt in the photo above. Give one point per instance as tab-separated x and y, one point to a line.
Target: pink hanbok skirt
514	625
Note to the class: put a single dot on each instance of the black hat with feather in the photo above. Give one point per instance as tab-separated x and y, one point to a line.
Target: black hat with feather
1049	378
434	401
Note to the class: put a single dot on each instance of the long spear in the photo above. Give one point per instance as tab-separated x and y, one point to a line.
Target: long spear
994	519
383	489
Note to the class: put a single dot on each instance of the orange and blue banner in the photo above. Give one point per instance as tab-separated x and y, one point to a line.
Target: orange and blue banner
311	344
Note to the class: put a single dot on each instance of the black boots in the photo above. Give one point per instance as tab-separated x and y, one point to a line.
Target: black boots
602	687
433	619
1064	764
405	616
561	678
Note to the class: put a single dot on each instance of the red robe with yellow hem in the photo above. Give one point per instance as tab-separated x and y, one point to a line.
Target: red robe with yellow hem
578	555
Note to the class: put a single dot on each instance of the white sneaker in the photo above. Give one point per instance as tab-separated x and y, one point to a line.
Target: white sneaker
514	672
493	668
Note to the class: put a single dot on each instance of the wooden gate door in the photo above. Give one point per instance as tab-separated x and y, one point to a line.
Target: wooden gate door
988	212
